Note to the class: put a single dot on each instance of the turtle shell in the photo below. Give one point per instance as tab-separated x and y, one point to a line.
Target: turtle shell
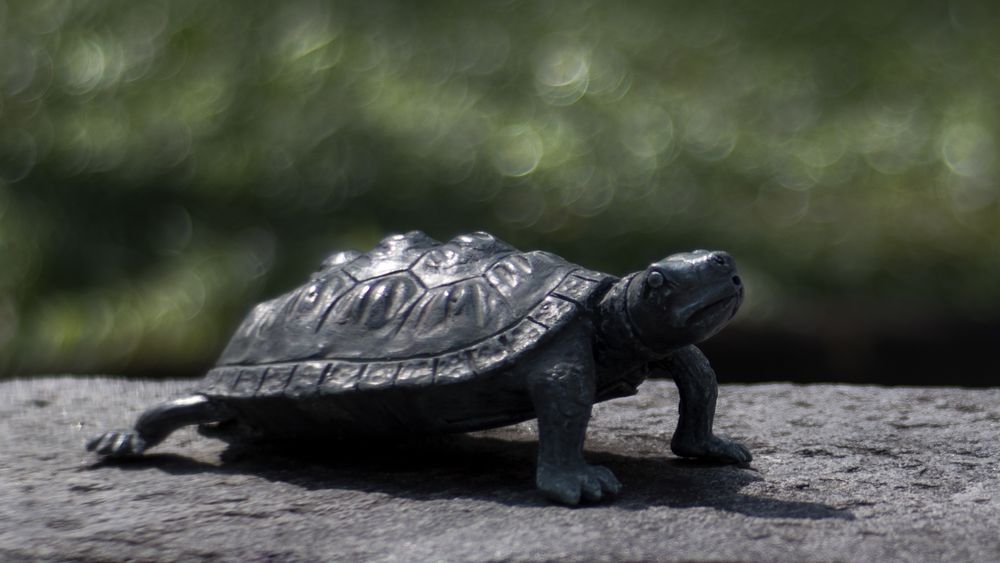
412	312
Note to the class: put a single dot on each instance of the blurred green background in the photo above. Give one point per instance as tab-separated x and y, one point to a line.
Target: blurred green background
164	165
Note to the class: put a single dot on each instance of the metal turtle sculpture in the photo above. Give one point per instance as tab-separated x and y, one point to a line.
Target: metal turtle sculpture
420	337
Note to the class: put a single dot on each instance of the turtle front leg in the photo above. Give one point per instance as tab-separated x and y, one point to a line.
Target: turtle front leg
156	424
698	390
563	394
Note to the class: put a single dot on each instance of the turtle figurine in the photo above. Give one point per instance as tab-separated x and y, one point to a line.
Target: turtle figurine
420	337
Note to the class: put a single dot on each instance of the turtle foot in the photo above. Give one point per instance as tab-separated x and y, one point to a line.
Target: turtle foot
570	485
117	444
716	448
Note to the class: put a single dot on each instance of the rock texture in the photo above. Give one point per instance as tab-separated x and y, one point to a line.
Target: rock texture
841	473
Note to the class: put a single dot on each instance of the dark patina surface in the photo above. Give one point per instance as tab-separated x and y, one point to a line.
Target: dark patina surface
422	337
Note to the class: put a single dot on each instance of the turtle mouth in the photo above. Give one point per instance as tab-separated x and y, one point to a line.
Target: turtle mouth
719	311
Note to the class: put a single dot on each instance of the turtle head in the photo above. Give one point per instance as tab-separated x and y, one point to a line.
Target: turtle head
683	299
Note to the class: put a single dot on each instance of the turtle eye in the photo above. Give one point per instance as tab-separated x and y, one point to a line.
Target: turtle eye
654	279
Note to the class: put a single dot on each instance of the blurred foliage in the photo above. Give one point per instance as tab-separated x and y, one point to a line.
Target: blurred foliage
164	164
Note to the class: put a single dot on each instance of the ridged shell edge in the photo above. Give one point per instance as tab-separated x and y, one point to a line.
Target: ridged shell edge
317	378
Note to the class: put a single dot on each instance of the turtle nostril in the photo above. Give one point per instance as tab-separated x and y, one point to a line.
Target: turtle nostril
720	258
737	281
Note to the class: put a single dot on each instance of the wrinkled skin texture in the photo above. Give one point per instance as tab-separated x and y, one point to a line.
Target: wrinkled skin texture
562	387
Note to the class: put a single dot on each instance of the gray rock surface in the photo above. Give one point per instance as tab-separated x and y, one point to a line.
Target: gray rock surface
841	473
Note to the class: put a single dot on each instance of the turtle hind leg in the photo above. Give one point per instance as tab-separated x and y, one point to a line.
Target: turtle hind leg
154	425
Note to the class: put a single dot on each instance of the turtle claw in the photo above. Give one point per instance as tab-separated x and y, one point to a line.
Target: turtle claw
716	448
117	444
570	485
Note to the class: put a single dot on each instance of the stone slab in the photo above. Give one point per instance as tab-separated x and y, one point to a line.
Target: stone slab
841	473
